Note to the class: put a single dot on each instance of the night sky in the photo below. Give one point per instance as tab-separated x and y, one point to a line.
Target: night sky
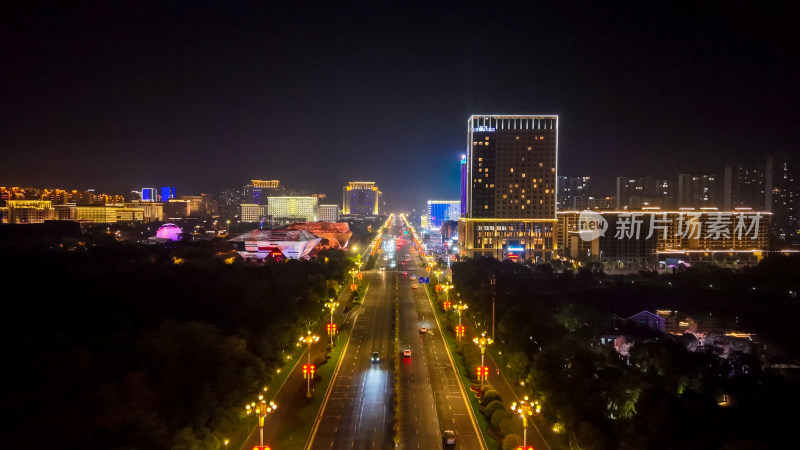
204	96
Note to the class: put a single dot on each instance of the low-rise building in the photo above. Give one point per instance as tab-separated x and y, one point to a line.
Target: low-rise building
652	237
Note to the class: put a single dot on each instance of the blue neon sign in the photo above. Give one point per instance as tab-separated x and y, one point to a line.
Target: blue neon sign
483	129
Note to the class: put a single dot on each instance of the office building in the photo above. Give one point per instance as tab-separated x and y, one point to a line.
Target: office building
258	191
197	204
441	210
511	187
361	198
329	213
252	213
28	211
293	209
151	211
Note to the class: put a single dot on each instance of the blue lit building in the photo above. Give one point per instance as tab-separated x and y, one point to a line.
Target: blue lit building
440	210
149	194
167	193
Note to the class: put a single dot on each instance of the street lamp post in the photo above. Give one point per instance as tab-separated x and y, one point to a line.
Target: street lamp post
460	307
260	409
446	288
482	342
331	305
525	408
308	339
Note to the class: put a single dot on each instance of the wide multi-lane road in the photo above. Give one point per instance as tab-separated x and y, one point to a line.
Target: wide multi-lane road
358	414
432	398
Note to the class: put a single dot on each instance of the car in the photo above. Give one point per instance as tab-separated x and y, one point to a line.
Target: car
405	274
423	330
407	353
375	357
449	437
415	285
412	277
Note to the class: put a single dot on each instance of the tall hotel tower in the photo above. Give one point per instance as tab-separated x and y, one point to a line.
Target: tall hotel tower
511	183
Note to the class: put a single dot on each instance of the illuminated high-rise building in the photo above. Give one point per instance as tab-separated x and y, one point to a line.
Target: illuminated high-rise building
511	187
361	198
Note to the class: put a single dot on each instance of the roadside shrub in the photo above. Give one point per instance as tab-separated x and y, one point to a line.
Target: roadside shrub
507	426
492	407
498	417
511	441
490	396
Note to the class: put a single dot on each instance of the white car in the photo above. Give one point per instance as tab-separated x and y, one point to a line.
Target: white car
423	330
407	353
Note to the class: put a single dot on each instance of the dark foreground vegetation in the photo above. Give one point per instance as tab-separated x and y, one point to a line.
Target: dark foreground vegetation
122	346
645	389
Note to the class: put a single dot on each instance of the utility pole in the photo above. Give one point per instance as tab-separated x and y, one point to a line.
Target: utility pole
492	282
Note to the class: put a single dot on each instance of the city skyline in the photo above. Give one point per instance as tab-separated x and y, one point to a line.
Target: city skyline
99	100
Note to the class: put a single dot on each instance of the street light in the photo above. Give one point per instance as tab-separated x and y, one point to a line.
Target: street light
260	409
460	307
525	408
226	442
482	342
446	288
308	339
331	305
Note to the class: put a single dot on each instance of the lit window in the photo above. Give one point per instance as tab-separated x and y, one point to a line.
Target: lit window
480	159
541	165
517	137
512	170
487	138
523	175
485	206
